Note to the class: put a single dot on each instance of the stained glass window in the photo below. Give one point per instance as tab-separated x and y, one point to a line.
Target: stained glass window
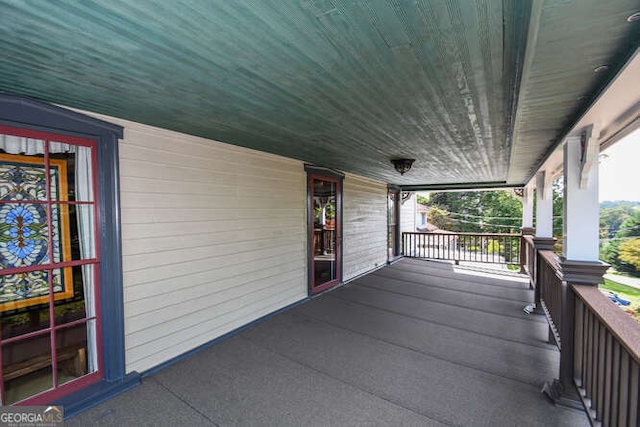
48	263
24	230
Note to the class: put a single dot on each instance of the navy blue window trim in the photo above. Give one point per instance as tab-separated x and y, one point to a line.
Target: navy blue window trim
27	113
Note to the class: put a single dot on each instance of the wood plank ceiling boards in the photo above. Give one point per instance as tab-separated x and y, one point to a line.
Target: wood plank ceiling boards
477	92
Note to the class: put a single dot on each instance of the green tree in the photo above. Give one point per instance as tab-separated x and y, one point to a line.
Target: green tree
630	252
480	211
438	217
630	227
613	217
611	250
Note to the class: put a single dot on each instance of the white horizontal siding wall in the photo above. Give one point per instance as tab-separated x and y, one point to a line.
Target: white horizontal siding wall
364	225
213	237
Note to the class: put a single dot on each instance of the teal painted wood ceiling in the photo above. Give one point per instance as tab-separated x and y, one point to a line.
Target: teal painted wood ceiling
337	83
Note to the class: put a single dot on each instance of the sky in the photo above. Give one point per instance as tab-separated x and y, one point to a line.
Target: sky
620	171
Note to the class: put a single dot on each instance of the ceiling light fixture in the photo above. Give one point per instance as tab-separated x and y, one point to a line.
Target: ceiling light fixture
402	165
634	17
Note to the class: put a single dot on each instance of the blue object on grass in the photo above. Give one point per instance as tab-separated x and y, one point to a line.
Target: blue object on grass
616	299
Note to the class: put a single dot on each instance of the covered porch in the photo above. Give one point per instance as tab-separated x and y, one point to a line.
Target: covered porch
414	343
231	160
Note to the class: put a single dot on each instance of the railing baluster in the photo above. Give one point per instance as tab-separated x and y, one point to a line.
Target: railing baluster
634	391
615	385
579	340
428	246
590	356
606	392
601	369
474	245
623	409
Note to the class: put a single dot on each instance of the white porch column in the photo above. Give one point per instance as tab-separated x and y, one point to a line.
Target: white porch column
544	204
527	209
581	221
579	264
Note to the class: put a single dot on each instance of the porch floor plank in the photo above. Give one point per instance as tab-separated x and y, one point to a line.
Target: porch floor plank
405	345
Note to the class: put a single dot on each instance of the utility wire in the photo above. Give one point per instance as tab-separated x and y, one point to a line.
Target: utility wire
482	224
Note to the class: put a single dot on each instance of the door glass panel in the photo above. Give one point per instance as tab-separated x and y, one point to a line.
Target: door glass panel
324	231
391	223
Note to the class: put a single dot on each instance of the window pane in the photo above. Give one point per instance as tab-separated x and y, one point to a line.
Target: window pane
22	178
324	211
71	353
24	299
71	172
27	368
24	235
24	303
391	208
74	306
74	237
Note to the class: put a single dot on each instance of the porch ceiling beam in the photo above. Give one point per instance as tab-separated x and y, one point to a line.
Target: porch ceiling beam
460	186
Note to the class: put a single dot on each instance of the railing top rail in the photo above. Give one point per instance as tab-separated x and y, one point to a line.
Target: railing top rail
528	237
622	326
551	258
453	233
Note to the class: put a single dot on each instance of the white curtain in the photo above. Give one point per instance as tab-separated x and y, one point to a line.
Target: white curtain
84	193
31	147
87	238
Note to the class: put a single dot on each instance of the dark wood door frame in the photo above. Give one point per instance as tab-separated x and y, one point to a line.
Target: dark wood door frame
329	175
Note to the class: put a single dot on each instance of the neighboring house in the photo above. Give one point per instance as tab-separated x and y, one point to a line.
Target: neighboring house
408	214
431	228
422	213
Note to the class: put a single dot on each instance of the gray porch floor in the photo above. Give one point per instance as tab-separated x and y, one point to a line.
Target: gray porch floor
415	343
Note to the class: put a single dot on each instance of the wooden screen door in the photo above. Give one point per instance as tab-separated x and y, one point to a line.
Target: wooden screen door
325	225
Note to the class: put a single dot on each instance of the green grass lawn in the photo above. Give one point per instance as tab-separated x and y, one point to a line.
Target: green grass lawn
627	292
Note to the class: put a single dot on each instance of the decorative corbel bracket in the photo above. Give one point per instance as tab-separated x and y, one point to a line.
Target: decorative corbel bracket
404	196
589	151
518	192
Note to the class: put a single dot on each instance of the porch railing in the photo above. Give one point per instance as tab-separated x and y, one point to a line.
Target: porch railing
528	255
473	247
551	293
607	359
599	344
